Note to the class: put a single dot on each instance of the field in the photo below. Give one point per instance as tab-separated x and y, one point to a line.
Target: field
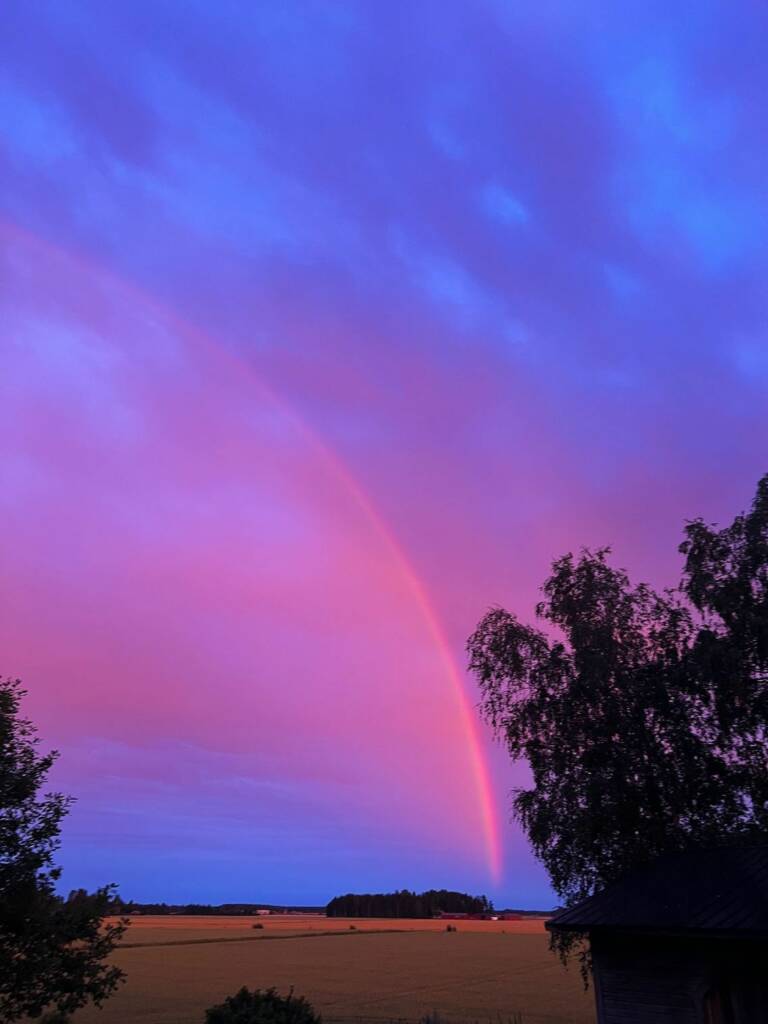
383	970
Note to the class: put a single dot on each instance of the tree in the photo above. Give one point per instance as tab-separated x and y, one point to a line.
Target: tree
407	904
726	580
53	951
643	716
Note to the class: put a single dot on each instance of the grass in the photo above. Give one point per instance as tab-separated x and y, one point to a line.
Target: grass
386	971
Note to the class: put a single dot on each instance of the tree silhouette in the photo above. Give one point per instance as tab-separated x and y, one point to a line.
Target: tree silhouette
643	716
407	904
52	950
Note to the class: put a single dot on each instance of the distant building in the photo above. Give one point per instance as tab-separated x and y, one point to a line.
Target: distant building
447	916
683	941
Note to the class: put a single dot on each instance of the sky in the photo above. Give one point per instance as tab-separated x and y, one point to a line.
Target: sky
324	328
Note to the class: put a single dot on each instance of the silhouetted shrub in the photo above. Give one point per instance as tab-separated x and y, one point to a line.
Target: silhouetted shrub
259	925
450	928
262	1007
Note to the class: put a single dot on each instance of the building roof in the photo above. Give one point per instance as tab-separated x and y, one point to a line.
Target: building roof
707	892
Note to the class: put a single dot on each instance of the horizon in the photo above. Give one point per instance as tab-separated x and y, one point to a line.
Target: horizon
300	907
324	331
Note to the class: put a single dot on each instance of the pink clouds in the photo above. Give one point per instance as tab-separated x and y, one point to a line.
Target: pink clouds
187	567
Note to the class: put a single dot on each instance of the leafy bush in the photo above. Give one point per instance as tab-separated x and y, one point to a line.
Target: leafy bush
262	1007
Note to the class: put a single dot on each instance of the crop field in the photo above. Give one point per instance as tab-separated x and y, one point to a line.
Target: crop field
353	971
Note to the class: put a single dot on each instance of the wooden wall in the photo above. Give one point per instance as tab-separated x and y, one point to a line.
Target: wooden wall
654	981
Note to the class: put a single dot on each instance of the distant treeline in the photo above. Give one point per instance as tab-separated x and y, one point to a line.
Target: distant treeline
407	904
206	909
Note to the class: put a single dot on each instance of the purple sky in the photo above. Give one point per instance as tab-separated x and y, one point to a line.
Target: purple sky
325	326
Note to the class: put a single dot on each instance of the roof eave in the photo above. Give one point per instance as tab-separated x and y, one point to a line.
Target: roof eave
651	931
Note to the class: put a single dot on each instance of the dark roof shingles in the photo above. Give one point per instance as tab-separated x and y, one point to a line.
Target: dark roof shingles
719	890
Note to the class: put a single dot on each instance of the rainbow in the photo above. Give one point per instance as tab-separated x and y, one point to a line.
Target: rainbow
338	469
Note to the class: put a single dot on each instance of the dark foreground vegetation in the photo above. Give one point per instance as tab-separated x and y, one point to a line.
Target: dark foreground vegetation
262	1007
643	715
407	904
54	952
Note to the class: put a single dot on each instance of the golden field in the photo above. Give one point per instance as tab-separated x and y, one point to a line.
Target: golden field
382	970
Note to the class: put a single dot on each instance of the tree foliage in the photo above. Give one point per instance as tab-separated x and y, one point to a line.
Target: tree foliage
643	716
52	950
262	1007
407	904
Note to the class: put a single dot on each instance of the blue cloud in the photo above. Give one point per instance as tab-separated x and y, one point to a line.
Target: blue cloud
33	129
461	299
623	284
675	174
751	359
500	205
